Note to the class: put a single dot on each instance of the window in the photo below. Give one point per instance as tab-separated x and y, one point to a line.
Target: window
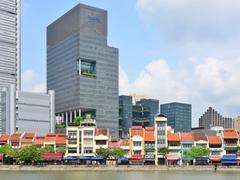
88	68
101	142
137	143
72	150
88	133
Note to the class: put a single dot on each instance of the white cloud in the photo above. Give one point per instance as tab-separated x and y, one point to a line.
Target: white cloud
195	26
31	81
213	82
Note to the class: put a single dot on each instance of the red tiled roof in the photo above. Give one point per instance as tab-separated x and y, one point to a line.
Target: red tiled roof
199	137
4	137
15	137
60	140
214	140
136	131
173	137
149	134
230	134
28	135
186	137
39	140
50	137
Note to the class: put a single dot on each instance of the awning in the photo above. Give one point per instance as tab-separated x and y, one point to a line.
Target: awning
85	157
238	158
52	156
97	158
201	159
229	157
70	158
123	159
136	157
215	158
172	157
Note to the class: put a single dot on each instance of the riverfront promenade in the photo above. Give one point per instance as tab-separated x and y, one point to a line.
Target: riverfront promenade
115	168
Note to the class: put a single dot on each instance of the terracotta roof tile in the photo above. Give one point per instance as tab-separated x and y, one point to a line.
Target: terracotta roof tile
149	134
39	140
230	134
15	137
124	142
214	140
4	137
199	137
136	131
28	135
60	140
186	137
173	137
114	144
27	141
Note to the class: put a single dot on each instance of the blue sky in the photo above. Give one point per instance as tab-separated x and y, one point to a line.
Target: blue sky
169	49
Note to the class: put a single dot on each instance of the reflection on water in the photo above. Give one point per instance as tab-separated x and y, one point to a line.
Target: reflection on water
119	175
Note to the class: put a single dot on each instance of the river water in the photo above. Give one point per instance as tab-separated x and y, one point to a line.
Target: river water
118	175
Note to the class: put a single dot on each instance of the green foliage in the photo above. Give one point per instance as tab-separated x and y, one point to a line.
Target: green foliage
103	152
61	149
78	120
48	149
163	151
61	125
195	152
8	151
29	153
117	153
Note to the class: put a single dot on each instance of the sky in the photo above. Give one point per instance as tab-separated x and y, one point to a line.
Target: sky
172	50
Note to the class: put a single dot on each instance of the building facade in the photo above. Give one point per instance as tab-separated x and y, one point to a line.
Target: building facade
179	116
135	111
9	45
27	112
237	123
125	115
160	134
212	118
82	68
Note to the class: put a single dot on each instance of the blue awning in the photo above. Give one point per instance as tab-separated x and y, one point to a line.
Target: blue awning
122	159
97	158
229	158
70	158
202	159
229	162
85	157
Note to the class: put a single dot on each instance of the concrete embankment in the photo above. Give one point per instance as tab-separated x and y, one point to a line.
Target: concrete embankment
113	168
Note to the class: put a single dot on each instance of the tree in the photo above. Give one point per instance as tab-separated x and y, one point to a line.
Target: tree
103	152
61	149
163	151
117	153
195	152
8	151
29	154
78	120
48	149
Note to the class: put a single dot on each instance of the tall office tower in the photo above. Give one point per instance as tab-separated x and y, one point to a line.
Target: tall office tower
212	118
125	115
9	45
82	69
179	116
152	105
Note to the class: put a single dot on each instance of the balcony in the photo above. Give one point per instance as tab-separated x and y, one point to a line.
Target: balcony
174	147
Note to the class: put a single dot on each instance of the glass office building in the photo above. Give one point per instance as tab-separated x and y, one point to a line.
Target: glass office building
82	69
179	116
9	46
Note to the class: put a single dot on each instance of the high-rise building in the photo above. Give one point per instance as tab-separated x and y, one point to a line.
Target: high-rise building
125	115
212	118
237	123
27	111
82	69
136	112
179	116
9	45
152	105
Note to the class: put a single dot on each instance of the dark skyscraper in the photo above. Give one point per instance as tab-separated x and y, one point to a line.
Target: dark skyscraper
179	116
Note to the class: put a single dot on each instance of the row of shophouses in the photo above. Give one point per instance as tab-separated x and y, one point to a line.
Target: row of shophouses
142	146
